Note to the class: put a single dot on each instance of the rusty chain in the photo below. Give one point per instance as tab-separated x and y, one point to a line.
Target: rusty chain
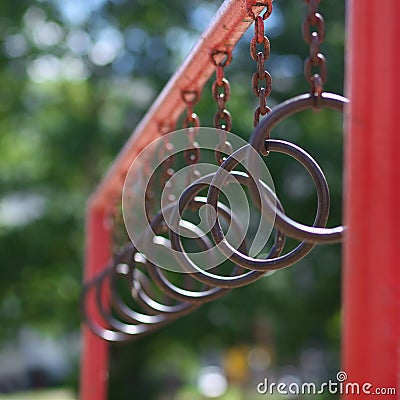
166	171
167	157
315	65
191	122
221	92
167	165
259	51
150	194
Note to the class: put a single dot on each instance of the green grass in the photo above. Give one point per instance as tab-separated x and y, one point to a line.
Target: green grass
57	394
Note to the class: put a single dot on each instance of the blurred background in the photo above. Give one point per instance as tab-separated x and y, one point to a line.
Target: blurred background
76	76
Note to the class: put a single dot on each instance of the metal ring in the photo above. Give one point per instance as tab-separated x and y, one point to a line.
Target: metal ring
208	277
140	287
138	278
168	287
95	326
123	256
154	320
137	284
320	220
142	295
138	319
262	131
124	332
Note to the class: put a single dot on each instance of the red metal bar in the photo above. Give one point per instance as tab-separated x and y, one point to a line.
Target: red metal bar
94	360
227	27
371	277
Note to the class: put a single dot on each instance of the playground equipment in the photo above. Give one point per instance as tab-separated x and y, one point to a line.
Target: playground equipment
371	290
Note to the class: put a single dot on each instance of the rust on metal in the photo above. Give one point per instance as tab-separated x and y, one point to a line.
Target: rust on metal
314	32
227	27
261	81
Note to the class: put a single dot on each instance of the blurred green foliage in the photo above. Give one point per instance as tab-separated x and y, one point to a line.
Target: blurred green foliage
66	110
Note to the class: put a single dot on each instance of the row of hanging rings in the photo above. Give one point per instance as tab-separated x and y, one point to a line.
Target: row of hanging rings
133	296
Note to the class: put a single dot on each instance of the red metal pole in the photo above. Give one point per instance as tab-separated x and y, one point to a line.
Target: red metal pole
371	276
94	361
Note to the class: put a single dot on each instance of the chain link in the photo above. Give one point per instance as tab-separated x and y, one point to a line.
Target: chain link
190	97
315	65
192	123
150	193
221	92
166	153
260	49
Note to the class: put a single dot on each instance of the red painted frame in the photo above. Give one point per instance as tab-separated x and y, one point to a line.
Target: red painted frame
94	360
371	271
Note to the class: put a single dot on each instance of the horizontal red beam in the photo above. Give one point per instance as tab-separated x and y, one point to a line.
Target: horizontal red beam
228	25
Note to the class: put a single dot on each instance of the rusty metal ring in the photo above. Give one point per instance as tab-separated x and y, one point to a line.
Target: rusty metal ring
142	292
208	277
289	107
320	220
146	323
257	140
136	284
141	289
140	295
126	313
101	328
136	319
168	287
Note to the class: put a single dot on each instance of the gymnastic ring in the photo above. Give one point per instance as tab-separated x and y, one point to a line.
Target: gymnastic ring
303	248
206	276
167	312
95	326
262	131
154	320
106	333
138	278
169	288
